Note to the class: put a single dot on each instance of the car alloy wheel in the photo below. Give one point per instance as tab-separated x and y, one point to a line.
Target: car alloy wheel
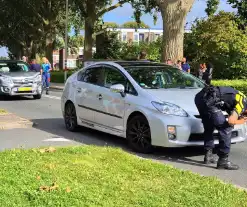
139	134
70	117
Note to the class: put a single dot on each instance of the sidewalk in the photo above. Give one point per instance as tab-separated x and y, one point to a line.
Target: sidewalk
57	86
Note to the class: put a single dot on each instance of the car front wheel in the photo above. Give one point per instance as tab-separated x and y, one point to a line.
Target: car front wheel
38	96
139	135
70	117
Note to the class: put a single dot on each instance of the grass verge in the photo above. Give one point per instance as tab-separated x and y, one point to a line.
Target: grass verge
96	176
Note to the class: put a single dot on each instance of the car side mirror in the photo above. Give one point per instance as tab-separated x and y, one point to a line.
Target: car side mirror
118	88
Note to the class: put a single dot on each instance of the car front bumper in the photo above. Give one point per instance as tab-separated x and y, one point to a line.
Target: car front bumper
21	90
188	131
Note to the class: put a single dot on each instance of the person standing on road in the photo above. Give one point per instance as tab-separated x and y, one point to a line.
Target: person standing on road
185	66
211	102
46	68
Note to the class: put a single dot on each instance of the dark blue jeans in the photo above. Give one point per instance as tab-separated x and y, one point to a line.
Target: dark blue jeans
46	80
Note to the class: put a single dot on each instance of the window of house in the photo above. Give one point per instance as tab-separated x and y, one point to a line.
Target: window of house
136	37
141	37
124	36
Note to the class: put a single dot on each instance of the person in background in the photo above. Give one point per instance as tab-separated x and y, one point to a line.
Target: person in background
207	76
35	67
169	62
185	65
179	64
201	71
143	56
46	68
24	59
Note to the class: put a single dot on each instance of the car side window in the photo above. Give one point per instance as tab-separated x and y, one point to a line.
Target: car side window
94	76
113	76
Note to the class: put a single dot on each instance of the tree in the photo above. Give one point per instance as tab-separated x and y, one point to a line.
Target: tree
92	11
134	25
32	26
241	6
212	6
174	14
219	40
110	25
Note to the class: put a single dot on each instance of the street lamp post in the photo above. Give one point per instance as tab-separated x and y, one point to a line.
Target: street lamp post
66	41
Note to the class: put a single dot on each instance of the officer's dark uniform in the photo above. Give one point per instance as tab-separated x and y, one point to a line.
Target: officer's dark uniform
210	102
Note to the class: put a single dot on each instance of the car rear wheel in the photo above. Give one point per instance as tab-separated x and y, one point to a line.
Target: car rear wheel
70	117
139	135
38	96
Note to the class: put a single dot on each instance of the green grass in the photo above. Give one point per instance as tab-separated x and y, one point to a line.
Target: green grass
95	176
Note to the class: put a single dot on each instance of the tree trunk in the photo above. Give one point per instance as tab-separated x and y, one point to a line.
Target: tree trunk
49	52
174	14
89	29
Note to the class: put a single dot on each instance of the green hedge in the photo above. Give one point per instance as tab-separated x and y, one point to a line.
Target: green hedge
58	77
240	85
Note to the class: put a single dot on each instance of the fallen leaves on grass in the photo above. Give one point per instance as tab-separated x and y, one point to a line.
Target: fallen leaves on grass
50	149
68	190
54	186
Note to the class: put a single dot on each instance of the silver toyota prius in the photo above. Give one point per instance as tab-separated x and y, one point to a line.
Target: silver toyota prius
17	80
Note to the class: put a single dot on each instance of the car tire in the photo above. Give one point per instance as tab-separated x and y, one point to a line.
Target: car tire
38	96
138	134
70	117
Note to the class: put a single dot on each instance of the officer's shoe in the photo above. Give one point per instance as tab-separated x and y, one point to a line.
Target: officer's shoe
47	92
225	164
210	158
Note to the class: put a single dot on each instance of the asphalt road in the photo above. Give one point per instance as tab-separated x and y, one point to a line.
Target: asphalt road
50	130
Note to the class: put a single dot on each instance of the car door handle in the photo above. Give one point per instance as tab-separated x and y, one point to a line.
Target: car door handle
100	97
78	90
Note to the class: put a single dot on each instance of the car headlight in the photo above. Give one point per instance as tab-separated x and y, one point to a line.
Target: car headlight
38	78
169	109
5	80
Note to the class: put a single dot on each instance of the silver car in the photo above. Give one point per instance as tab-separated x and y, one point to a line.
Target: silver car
17	80
149	104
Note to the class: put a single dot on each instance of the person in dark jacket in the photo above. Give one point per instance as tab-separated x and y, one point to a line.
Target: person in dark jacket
211	102
207	75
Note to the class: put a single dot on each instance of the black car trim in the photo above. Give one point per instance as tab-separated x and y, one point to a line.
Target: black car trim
102	112
92	124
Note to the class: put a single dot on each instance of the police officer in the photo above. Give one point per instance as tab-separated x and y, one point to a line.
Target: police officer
210	102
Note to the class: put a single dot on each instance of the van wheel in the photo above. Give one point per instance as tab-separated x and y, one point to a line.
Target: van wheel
138	134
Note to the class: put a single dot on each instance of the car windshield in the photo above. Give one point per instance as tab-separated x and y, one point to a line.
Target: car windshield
13	67
162	76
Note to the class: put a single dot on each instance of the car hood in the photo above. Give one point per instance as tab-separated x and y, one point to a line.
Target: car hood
181	97
20	74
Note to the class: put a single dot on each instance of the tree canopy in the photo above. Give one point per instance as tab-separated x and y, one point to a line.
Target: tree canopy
135	25
219	40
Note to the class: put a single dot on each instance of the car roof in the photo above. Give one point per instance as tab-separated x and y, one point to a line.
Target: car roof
139	63
12	61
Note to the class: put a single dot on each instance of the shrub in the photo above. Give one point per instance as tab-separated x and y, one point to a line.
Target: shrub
58	76
237	84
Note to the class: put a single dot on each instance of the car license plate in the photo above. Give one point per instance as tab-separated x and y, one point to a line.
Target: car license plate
25	89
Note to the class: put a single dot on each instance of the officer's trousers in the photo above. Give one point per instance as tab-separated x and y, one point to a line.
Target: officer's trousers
212	121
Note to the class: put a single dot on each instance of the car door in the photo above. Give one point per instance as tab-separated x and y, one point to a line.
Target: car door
111	108
87	86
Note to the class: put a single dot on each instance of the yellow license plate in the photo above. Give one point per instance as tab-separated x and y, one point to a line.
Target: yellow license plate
25	89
